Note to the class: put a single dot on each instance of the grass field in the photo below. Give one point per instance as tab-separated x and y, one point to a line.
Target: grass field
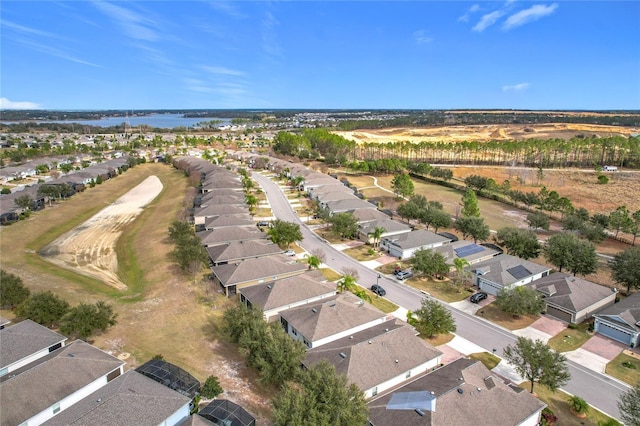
626	368
495	315
165	313
570	339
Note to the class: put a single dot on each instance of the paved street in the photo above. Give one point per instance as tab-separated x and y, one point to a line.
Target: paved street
599	390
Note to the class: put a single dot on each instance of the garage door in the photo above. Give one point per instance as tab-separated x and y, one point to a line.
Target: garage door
614	333
489	287
557	313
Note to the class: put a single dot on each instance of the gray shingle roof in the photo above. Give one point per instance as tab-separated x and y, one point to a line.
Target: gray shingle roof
24	339
368	214
319	320
287	291
228	220
478	404
418	238
496	268
226	235
375	355
218	210
239	250
61	373
266	267
389	226
572	293
449	251
345	205
628	309
130	399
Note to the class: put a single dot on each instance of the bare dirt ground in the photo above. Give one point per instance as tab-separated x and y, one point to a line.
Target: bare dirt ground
89	249
485	132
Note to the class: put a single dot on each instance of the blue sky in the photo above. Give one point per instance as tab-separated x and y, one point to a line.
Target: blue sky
324	54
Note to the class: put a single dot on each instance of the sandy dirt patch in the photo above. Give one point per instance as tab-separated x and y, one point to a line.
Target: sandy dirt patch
89	249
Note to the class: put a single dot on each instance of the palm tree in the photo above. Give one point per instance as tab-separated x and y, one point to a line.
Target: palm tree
460	263
347	283
313	261
376	235
362	294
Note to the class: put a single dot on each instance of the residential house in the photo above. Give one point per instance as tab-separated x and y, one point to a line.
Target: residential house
462	249
322	322
40	390
130	399
368	214
272	297
343	206
236	251
462	393
210	199
214	237
234	276
403	246
200	214
25	342
573	299
391	228
229	220
378	358
621	321
505	270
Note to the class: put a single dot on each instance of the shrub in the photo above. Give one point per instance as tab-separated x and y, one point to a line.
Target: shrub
629	364
548	418
578	405
603	180
572	326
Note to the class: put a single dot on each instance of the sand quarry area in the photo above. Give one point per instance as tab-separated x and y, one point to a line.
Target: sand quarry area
89	249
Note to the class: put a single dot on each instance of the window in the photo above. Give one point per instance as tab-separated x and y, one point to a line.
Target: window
4	371
293	331
406	376
56	408
54	347
374	391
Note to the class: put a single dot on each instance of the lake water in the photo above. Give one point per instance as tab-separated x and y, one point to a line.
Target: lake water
161	121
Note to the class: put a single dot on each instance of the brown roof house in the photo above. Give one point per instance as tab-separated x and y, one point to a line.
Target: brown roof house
130	399
40	390
378	358
322	322
404	245
621	321
25	342
235	251
505	270
573	299
234	276
275	296
462	393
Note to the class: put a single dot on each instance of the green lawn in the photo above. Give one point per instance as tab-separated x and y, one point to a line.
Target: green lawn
627	373
438	339
495	315
362	253
570	339
381	303
330	274
557	402
441	290
489	360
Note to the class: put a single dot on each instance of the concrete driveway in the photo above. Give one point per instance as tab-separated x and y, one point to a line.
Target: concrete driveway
544	328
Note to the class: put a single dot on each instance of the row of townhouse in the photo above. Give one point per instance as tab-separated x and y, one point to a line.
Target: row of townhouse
74	181
44	380
379	353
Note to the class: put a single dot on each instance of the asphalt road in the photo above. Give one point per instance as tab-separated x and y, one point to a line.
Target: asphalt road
597	389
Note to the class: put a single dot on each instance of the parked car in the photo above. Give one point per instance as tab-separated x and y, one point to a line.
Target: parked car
478	297
404	274
378	290
263	223
289	253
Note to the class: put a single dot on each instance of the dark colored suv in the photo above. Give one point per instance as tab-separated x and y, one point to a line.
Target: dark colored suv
478	297
378	290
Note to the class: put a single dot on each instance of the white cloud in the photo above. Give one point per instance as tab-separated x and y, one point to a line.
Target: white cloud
487	20
467	15
515	87
421	38
7	104
228	8
528	15
270	43
54	51
223	71
26	30
134	25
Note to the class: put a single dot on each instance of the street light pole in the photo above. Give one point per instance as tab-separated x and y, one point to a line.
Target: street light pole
378	279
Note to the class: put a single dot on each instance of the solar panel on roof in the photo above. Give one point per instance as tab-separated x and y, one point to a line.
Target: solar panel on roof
411	401
468	250
519	272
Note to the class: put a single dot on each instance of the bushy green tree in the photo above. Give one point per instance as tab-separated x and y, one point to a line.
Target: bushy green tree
211	388
625	268
83	320
565	250
321	397
12	290
44	308
284	233
538	363
538	220
519	301
518	242
402	185
470	206
473	227
344	225
629	406
429	262
433	318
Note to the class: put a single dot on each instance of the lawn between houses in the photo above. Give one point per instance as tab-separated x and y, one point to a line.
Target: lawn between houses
162	312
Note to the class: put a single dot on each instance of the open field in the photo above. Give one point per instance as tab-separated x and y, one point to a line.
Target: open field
484	132
167	313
